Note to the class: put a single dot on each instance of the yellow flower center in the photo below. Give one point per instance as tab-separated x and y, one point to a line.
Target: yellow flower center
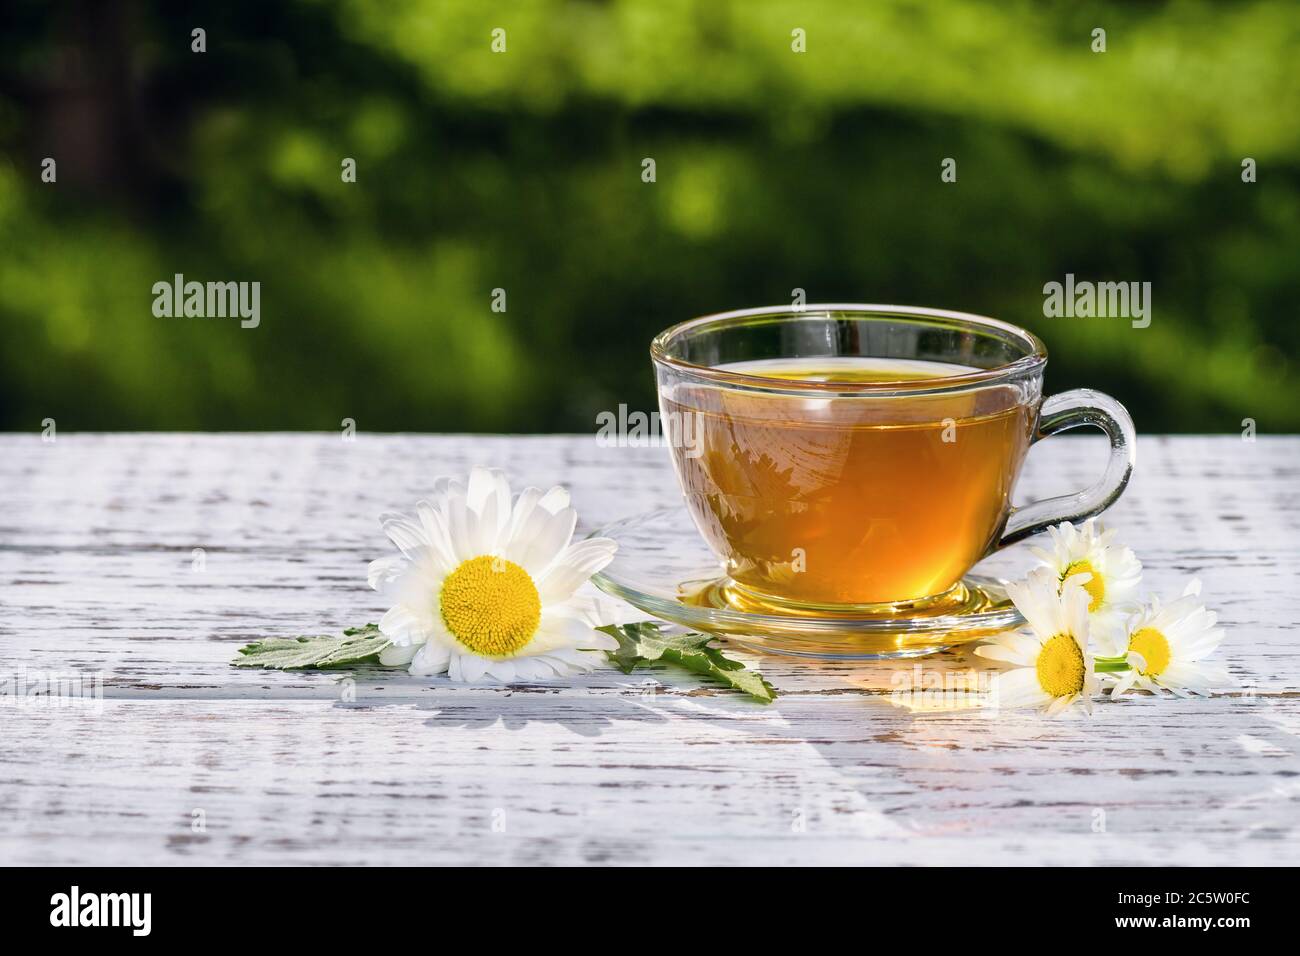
1154	647
491	606
1060	666
1095	587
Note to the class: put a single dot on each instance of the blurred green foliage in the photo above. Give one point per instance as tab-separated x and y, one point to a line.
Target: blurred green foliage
522	170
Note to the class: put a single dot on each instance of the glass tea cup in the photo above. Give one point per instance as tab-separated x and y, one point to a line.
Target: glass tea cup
861	458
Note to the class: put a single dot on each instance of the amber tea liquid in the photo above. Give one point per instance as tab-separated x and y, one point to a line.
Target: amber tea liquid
850	500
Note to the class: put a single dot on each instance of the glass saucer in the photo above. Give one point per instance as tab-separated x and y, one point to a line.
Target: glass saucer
664	568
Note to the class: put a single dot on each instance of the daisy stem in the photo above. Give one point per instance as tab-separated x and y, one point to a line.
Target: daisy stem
1110	665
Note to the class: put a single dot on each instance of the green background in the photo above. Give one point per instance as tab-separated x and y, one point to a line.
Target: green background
522	171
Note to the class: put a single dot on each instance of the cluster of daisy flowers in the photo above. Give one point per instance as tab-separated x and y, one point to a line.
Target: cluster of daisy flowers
486	585
1087	628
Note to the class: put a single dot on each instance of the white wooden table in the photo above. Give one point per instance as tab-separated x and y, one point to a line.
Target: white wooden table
187	760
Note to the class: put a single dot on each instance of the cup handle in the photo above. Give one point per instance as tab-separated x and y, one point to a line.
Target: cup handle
1081	406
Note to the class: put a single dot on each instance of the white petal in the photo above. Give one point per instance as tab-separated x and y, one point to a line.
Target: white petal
1077	579
417	587
529	522
573	567
467	667
1107	628
1037	599
555	500
520	669
1017	688
599	610
432	658
1123	683
572	661
520	517
997	652
1046	558
398	655
560	630
488	484
462	530
1201	646
557	630
401	626
1122	574
1074	602
1060	703
553	538
435	529
487	532
1026	644
1195	678
405	532
546	668
507	671
383	571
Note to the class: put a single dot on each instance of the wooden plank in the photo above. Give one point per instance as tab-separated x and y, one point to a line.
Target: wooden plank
99	580
633	779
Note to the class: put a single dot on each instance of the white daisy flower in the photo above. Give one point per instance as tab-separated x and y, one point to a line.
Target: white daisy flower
1167	647
487	587
1114	571
1054	668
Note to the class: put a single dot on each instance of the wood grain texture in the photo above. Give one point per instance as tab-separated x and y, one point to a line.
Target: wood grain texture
97	561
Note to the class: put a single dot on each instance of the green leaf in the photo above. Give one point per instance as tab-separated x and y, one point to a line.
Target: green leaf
646	642
359	646
638	645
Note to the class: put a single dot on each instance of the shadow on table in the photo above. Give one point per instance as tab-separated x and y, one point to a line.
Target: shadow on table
586	706
1138	777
